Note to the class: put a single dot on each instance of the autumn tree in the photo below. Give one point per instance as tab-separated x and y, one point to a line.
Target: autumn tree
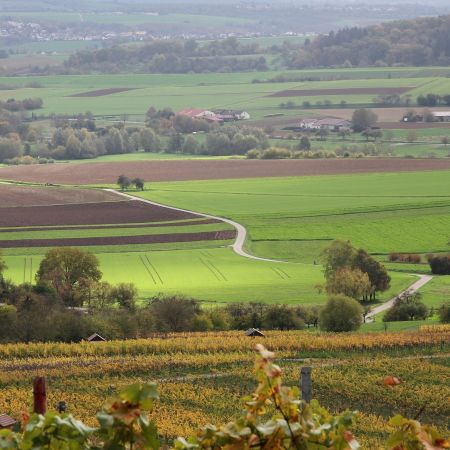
68	270
352	283
342	255
377	273
337	255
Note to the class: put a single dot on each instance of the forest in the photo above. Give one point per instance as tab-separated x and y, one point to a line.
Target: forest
418	42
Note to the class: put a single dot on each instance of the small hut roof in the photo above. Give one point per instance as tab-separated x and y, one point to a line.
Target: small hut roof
254	332
95	338
6	421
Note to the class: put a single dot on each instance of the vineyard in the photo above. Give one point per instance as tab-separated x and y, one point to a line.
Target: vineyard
202	376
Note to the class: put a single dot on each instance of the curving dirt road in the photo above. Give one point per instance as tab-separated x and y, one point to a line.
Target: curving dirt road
238	245
422	281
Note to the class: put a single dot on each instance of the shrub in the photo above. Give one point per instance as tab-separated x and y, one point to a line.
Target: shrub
340	313
444	313
411	258
440	265
407	306
276	153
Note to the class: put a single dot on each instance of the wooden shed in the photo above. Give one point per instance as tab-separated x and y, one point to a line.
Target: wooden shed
253	332
96	338
6	421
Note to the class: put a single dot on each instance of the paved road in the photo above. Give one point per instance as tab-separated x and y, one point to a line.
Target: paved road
238	245
423	279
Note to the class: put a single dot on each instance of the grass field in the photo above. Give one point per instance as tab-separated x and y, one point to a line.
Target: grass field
381	212
213	275
234	90
437	291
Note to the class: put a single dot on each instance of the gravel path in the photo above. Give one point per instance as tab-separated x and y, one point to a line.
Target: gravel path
422	281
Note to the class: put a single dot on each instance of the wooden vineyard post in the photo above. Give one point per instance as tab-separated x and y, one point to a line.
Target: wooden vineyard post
39	395
306	384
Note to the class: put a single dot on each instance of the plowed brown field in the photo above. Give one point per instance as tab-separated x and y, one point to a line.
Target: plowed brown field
120	240
13	195
122	212
346	91
107	173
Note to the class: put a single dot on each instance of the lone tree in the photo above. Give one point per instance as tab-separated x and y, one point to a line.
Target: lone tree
445	140
69	270
139	183
124	182
340	313
363	119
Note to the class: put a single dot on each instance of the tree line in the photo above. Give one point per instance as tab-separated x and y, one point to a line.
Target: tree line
176	56
418	42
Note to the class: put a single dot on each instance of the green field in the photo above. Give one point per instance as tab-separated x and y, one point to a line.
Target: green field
215	275
289	219
437	291
383	213
233	90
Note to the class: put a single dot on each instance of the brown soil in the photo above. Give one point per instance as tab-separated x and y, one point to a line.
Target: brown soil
13	195
123	212
101	92
107	173
347	91
384	114
121	240
413	125
184	223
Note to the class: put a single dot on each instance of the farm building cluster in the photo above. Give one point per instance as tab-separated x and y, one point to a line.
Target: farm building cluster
327	123
216	115
433	116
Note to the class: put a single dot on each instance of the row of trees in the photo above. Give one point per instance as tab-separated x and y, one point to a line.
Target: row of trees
27	104
175	56
433	100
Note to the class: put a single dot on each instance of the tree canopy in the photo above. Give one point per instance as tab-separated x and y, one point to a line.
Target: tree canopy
68	270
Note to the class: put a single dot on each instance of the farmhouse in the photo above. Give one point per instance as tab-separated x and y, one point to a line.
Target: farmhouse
327	123
229	115
196	113
441	116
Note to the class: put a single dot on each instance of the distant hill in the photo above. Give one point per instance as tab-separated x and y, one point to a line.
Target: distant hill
418	42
